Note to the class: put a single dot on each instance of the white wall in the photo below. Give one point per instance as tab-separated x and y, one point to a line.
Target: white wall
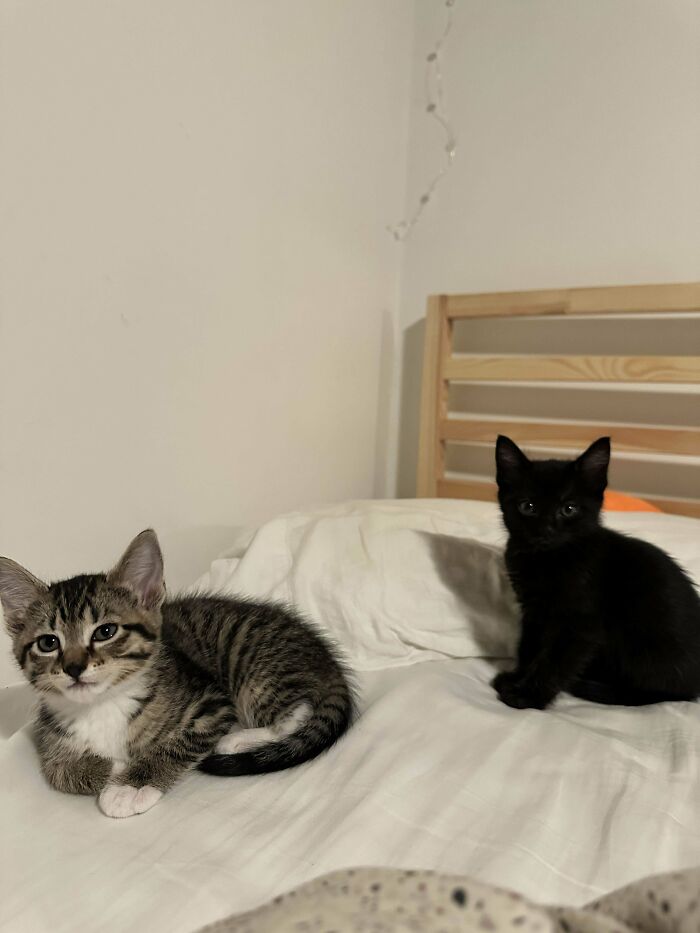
579	159
196	285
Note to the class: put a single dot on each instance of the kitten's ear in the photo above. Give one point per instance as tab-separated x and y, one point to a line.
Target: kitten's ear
593	463
18	590
141	570
510	460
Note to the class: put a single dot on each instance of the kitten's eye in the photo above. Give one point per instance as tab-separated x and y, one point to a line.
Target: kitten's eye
47	643
105	632
527	508
569	510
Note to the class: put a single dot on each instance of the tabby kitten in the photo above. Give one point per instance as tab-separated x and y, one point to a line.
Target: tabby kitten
605	616
135	691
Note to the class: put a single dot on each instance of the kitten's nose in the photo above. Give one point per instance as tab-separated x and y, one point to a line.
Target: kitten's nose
74	670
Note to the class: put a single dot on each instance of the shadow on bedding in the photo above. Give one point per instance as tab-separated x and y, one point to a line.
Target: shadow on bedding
475	573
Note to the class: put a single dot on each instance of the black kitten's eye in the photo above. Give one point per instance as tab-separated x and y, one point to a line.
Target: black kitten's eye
527	508
105	632
47	643
569	510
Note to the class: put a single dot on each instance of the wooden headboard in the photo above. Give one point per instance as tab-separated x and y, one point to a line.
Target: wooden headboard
658	443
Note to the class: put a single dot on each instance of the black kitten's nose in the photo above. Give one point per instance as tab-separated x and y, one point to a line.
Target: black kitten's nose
74	670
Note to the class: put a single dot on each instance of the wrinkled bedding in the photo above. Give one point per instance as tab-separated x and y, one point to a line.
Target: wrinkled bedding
561	806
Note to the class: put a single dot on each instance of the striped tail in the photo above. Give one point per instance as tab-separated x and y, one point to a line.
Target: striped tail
328	721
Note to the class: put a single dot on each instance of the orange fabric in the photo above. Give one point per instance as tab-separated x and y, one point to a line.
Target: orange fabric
619	502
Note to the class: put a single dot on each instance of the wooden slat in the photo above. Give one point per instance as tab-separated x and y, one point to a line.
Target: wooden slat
466	489
514	368
486	491
615	299
438	346
635	438
636	299
508	304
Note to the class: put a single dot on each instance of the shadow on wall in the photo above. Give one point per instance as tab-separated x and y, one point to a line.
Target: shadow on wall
409	409
188	553
383	483
476	575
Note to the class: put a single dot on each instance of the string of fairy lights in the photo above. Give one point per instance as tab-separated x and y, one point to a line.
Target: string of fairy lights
436	109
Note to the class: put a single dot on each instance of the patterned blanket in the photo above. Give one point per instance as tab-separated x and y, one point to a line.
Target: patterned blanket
384	900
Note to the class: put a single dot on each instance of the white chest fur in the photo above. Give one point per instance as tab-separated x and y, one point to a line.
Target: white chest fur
102	727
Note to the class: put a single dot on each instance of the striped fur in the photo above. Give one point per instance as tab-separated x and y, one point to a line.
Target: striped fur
138	690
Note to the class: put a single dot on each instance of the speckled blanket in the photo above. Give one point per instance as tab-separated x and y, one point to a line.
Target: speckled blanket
383	900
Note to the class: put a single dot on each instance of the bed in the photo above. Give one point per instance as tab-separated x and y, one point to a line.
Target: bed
561	805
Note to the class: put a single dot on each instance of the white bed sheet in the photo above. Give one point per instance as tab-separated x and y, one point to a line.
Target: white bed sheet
561	805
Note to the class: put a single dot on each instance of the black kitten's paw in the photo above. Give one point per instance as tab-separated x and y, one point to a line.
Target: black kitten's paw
519	700
521	697
504	680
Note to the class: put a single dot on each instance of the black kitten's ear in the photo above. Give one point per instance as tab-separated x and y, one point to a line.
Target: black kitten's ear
593	463
18	590
510	460
141	570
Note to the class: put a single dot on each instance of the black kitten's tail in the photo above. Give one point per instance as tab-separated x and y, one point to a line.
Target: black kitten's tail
612	695
329	720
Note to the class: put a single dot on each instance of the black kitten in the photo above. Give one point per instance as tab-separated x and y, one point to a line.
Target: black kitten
604	616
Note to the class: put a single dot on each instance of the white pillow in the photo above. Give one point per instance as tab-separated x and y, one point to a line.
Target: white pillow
367	572
401	581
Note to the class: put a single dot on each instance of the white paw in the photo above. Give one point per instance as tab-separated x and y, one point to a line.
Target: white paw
121	800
